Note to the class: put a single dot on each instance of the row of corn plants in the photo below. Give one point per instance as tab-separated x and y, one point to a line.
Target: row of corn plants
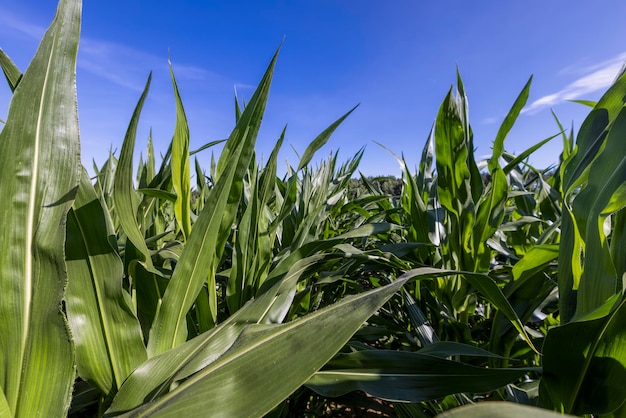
229	291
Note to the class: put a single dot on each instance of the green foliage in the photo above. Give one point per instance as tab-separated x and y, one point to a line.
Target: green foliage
246	294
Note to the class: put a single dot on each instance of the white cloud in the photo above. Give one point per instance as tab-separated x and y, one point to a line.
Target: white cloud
127	66
489	121
14	23
598	77
120	64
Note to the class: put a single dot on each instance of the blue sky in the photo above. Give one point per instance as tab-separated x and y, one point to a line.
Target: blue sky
397	59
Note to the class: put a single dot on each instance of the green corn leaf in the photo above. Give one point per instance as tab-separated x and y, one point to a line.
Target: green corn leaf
192	356
205	246
444	349
526	153
454	178
590	135
404	376
39	167
5	410
221	388
11	72
606	180
124	195
588	103
476	181
588	377
486	286
530	287
150	163
320	140
253	242
575	172
109	344
181	174
206	146
507	124
489	216
499	410
158	193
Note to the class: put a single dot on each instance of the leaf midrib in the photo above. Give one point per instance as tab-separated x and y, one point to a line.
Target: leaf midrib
30	221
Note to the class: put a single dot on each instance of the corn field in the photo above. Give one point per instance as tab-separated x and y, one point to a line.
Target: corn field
167	289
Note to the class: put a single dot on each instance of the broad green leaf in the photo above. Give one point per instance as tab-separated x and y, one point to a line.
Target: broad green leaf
526	153
499	410
489	217
607	176
588	103
190	357
5	410
507	124
454	179
39	168
158	193
10	70
535	260
486	286
476	181
491	206
404	376
575	173
109	344
529	288
446	349
590	136
124	194
223	389
588	377
253	240
320	140
206	146
205	245
181	174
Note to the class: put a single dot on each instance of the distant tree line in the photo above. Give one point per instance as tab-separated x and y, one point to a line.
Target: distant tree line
388	185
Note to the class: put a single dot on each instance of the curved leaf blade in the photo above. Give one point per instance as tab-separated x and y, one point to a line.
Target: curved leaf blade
181	179
223	387
404	376
124	194
206	243
588	377
109	344
39	163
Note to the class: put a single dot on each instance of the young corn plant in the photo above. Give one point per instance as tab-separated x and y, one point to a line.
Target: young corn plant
66	242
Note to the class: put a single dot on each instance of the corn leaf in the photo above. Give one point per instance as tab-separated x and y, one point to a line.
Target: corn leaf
205	245
320	140
39	167
588	377
181	175
499	410
124	195
221	388
109	344
607	176
404	376
10	70
454	179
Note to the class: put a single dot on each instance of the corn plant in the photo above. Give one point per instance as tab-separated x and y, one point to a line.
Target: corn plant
145	293
106	346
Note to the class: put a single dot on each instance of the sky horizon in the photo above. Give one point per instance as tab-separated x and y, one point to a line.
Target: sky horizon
397	63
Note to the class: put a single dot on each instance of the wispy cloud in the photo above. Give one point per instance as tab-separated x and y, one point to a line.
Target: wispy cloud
489	121
127	66
120	64
14	23
597	77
